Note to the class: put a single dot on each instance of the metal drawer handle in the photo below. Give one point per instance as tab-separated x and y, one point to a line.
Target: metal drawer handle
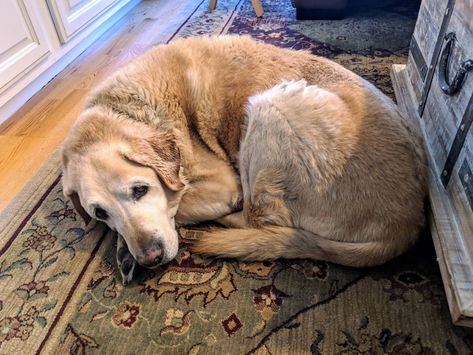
444	64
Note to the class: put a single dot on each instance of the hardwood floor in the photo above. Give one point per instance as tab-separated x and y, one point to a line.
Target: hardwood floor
29	137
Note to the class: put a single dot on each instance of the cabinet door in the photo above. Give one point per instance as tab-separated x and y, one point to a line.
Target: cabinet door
70	16
22	44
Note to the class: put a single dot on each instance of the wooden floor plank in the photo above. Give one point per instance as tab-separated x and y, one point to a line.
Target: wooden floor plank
16	166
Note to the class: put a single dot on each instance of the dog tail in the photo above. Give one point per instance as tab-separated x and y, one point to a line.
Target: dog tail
273	242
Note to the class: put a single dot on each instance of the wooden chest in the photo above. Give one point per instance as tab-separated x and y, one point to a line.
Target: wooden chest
437	92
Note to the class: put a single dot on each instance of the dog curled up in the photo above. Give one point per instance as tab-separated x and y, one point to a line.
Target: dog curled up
313	187
295	155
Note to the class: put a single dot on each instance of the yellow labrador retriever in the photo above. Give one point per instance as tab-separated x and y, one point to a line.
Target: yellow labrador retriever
329	168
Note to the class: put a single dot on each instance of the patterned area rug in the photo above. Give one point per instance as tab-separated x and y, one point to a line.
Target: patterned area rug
60	291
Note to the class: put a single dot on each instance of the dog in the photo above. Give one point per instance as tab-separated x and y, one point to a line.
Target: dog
313	187
162	143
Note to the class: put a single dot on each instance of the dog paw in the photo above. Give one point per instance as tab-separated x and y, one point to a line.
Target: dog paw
191	233
127	269
203	241
126	262
237	201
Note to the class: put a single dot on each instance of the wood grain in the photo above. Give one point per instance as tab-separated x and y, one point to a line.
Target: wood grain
212	5
258	7
443	114
426	33
39	127
428	26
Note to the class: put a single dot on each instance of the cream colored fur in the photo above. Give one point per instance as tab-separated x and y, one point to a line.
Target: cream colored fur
321	183
173	119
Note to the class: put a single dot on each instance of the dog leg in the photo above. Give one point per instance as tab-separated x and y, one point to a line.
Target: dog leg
208	202
268	205
126	262
234	220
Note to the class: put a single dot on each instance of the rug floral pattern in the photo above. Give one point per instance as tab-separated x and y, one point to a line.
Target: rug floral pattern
60	290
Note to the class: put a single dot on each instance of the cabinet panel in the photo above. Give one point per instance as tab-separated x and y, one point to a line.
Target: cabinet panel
70	16
21	44
423	42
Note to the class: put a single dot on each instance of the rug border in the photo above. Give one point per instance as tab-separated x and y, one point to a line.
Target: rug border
15	212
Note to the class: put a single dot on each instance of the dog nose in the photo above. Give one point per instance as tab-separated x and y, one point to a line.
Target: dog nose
151	258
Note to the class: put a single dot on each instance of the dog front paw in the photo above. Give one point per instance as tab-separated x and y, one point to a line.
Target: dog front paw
237	201
126	262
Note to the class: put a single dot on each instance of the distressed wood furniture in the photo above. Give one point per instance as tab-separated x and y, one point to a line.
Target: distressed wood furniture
256	5
435	90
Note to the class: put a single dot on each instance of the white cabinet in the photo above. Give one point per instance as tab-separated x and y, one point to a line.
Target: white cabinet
22	43
70	16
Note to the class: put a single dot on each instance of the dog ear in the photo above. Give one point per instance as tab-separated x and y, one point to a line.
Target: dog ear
74	197
67	190
161	153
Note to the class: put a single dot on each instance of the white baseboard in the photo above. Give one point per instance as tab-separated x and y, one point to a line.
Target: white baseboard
26	88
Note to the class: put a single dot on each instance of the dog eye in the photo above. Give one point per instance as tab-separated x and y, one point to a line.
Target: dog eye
139	191
100	213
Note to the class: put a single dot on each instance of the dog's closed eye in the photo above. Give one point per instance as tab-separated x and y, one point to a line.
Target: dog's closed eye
100	213
139	191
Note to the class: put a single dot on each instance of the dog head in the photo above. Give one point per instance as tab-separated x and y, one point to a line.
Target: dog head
127	175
